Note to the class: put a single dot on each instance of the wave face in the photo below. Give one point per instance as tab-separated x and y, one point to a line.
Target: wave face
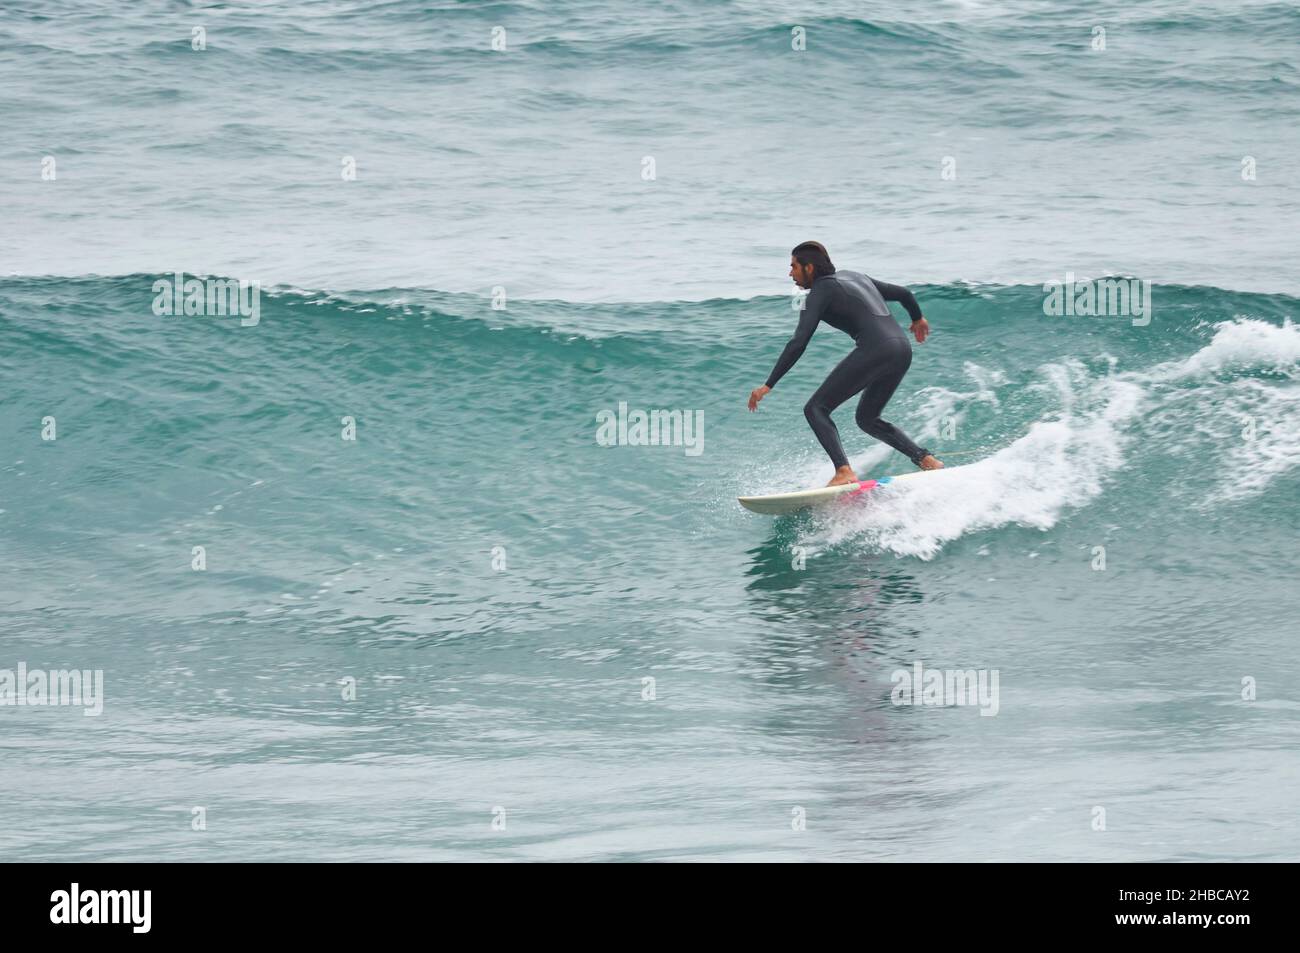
1165	155
500	584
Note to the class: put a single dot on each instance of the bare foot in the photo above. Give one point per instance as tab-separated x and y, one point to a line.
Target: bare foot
930	463
842	476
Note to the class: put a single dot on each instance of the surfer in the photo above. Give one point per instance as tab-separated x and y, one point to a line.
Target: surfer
854	304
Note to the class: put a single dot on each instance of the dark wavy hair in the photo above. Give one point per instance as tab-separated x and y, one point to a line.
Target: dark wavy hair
813	253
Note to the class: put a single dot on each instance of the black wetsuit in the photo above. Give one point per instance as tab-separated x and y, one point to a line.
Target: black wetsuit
855	304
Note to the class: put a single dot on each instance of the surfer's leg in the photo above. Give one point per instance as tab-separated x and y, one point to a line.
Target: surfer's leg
843	382
888	374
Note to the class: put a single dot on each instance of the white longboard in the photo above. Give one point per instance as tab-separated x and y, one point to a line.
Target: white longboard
779	504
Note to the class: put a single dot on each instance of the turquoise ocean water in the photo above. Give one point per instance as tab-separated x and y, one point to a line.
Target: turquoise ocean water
565	650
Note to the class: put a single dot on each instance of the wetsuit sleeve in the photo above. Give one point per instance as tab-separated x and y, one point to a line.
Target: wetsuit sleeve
809	317
901	295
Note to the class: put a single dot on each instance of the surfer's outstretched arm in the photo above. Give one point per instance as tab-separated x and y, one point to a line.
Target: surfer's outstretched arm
809	317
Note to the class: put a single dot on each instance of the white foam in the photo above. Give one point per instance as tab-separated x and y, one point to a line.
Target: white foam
1058	464
1252	427
1243	342
1266	444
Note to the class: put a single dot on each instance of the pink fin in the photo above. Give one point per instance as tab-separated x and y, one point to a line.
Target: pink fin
862	487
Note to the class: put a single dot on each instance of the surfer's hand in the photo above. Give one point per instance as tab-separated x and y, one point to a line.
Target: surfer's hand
758	394
920	330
